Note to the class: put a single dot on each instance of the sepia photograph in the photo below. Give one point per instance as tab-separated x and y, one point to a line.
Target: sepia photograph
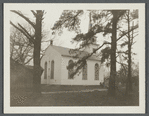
74	58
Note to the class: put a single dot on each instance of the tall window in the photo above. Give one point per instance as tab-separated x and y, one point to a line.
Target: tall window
96	71
49	70
70	71
52	69
84	72
45	70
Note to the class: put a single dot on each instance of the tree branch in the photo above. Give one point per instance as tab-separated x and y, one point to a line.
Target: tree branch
121	63
24	17
62	22
81	62
121	52
21	31
28	61
135	27
34	13
124	33
31	38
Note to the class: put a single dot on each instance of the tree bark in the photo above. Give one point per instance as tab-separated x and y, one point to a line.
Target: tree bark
111	90
129	85
37	48
37	45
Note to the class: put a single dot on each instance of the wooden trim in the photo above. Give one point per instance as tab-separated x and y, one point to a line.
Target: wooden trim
78	57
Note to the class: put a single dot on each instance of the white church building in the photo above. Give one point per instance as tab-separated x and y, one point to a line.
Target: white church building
55	62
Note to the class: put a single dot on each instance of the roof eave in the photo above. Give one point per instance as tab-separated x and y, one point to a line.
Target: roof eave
78	57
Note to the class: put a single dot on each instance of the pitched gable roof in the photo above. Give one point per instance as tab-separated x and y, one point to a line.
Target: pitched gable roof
65	52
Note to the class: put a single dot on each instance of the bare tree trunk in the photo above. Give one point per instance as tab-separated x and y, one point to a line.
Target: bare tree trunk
129	57
37	47
111	90
37	44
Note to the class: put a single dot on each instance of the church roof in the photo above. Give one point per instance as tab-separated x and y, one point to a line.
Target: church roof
65	52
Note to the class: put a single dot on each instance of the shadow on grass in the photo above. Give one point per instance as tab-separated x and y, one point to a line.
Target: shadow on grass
95	98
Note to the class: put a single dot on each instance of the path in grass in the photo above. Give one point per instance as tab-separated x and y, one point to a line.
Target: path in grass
56	88
88	98
87	90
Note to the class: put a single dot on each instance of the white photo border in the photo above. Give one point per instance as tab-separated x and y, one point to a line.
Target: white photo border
84	109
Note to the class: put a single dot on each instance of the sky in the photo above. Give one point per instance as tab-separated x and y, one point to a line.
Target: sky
64	40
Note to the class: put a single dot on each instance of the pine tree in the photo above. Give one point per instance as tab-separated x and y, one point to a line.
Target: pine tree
70	19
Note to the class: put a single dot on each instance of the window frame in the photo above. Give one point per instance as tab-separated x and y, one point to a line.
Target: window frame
49	72
83	71
45	70
96	78
52	69
70	70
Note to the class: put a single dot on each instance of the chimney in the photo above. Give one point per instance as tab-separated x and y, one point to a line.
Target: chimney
51	42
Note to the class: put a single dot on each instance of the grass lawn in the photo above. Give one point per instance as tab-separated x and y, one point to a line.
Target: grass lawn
95	98
25	97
